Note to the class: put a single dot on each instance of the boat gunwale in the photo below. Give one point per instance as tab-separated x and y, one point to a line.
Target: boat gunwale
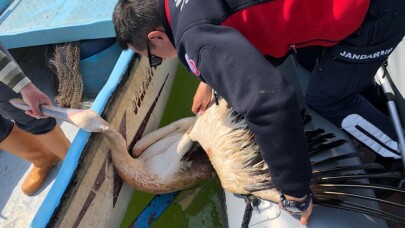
53	199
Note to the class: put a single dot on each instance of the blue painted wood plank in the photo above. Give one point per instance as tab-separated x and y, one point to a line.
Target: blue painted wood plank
154	210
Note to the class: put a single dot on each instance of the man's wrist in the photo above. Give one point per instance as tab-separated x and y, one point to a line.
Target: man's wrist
294	204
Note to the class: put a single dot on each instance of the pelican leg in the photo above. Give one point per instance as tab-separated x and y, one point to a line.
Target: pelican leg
180	125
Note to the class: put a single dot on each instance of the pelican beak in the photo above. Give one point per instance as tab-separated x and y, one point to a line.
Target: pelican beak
88	120
47	110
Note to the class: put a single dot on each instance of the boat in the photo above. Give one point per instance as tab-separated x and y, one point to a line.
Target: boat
84	190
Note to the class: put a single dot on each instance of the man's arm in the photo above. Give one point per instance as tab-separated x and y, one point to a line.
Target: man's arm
234	68
12	75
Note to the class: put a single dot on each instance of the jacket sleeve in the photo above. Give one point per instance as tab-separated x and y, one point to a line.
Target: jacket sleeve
11	74
233	67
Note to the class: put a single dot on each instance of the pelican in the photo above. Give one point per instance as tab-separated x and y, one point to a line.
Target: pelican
233	154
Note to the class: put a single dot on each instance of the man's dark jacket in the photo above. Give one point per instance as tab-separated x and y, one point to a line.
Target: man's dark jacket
223	42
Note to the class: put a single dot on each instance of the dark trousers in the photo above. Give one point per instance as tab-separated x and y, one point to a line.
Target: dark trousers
343	71
32	62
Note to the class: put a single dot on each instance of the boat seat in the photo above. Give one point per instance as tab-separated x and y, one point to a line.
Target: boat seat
39	22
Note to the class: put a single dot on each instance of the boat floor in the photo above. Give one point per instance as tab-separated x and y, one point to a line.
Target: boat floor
18	209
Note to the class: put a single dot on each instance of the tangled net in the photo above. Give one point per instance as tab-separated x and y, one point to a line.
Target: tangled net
64	61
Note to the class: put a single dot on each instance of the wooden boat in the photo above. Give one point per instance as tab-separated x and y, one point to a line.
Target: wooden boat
84	190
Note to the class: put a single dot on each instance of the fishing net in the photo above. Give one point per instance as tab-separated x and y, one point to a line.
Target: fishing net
64	61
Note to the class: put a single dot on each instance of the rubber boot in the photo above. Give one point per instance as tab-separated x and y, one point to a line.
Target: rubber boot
55	141
26	146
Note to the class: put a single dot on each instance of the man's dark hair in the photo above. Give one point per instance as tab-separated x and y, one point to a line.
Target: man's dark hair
133	20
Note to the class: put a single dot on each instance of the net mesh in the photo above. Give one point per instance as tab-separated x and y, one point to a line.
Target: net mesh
64	61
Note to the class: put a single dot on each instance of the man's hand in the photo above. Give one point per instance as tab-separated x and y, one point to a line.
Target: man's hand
34	98
202	98
305	214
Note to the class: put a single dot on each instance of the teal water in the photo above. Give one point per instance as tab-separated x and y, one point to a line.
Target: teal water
197	207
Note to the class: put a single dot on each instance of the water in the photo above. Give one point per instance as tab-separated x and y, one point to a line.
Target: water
197	207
